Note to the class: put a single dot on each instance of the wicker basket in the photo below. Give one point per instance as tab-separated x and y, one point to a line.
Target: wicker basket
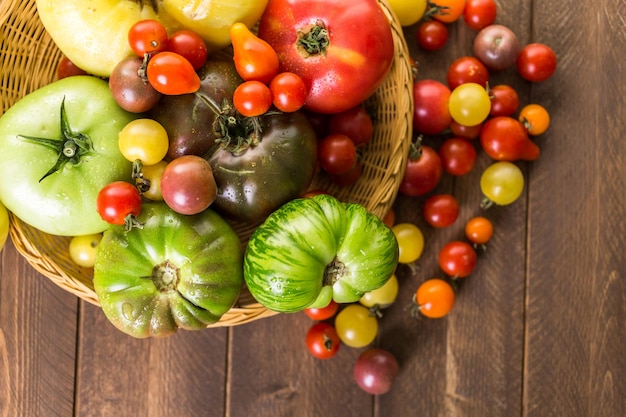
28	59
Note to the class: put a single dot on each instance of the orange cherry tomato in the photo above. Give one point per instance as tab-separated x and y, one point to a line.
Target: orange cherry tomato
435	298
172	74
252	98
254	58
479	230
535	119
447	11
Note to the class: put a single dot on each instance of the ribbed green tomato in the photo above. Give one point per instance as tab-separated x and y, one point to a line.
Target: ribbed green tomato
312	250
177	271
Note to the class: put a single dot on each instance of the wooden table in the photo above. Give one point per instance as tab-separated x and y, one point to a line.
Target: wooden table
539	329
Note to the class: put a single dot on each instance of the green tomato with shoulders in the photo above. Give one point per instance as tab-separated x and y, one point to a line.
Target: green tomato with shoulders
312	250
58	148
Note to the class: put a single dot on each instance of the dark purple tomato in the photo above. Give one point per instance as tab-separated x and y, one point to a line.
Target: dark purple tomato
188	184
497	47
375	370
129	90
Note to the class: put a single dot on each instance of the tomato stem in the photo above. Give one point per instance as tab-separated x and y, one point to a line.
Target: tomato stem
415	151
165	277
314	40
333	272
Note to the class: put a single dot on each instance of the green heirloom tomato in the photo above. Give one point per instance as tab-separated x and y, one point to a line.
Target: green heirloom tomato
58	148
176	272
312	250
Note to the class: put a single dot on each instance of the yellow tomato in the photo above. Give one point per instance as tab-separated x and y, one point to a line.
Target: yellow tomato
4	225
382	297
408	12
410	242
83	249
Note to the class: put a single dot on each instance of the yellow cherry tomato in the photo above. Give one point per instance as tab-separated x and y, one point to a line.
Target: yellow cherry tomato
408	12
83	249
144	140
410	242
382	297
355	326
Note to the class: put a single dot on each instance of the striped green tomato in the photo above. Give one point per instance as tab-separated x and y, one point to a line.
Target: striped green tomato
312	250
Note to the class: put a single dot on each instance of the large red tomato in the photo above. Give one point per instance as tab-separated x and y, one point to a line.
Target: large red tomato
341	49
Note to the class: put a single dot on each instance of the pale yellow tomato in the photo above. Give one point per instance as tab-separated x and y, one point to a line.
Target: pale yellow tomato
382	297
83	249
408	12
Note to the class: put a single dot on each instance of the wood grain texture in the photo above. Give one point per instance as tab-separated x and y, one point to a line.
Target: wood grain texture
538	330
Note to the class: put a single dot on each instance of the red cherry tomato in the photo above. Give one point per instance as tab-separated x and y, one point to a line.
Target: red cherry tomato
172	74
457	259
117	201
67	68
322	313
432	35
423	172
288	92
322	340
504	100
147	36
337	154
479	14
536	62
431	115
355	123
467	69
465	132
190	45
252	98
458	156
441	210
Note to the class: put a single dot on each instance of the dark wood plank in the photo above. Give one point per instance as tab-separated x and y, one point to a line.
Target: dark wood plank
576	293
37	342
179	375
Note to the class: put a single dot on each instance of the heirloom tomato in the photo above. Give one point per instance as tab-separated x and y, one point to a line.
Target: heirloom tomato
177	271
273	162
312	250
58	148
341	49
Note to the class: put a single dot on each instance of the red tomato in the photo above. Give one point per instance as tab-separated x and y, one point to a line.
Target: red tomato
117	201
344	48
147	36
355	123
504	100
479	13
431	115
172	74
252	98
457	259
337	154
322	313
67	68
190	45
465	132
288	92
467	69
349	178
441	210
322	340
458	156
254	58
423	172
504	138
432	35
536	62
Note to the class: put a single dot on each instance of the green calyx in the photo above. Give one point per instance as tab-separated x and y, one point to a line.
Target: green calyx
71	147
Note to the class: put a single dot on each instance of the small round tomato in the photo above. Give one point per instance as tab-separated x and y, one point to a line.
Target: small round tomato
502	183
129	88
497	47
431	115
536	62
441	210
322	340
448	11
356	123
465	132
435	298
190	45
457	259
535	119
458	156
423	171
356	327
67	68
172	74
504	100
469	104
151	181
467	69
147	36
390	217
119	203
288	92
432	35
410	242
188	185
336	154
83	249
479	230
479	13
408	12
252	98
322	313
143	140
382	297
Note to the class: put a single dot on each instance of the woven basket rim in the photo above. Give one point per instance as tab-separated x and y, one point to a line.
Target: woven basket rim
247	309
